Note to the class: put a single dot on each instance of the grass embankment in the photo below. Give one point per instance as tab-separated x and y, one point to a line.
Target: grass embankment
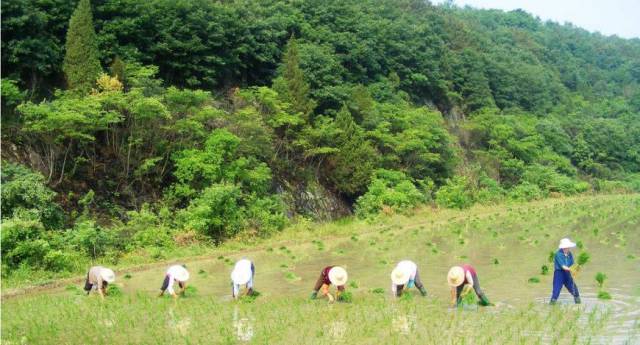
508	244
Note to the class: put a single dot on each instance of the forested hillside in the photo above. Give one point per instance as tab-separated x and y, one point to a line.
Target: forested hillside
137	125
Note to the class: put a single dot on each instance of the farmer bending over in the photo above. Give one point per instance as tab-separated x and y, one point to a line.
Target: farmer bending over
406	274
98	278
461	276
242	274
562	262
175	273
330	275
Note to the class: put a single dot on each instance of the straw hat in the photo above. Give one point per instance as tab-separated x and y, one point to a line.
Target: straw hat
400	275
455	277
107	275
338	276
241	273
566	243
179	273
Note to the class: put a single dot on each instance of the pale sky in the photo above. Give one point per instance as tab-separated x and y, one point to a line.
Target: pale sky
609	17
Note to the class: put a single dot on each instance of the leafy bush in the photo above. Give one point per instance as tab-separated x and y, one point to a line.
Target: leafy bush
23	243
525	192
389	189
58	260
91	239
23	189
456	193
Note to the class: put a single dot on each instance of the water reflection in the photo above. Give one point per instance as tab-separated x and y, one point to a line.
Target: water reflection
243	326
177	325
404	323
336	330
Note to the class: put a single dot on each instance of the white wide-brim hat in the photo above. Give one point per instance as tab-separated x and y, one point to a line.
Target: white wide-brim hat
566	243
180	274
400	275
107	275
338	276
455	277
241	276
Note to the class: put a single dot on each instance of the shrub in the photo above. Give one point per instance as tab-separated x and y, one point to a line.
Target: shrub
216	212
57	261
91	239
23	189
389	189
525	192
22	242
456	193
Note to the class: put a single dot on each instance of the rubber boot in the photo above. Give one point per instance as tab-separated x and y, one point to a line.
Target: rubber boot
484	301
423	291
553	302
577	299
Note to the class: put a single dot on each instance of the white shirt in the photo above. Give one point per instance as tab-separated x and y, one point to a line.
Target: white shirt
172	272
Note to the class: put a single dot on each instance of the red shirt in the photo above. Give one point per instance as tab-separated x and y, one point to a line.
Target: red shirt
471	270
325	275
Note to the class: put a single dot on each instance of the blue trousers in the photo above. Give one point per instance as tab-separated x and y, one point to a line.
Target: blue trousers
560	278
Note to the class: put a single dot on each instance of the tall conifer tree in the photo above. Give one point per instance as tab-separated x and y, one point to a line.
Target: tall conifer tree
81	64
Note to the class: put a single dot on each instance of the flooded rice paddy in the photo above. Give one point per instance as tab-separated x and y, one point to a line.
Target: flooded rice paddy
508	246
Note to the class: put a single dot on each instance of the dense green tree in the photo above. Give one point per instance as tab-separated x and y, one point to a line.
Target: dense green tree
81	64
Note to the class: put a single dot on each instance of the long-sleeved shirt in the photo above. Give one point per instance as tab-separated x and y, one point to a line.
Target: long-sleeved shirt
411	267
94	277
560	259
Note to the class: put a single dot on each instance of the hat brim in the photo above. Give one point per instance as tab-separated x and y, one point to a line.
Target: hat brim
399	276
181	275
567	245
338	276
455	277
108	276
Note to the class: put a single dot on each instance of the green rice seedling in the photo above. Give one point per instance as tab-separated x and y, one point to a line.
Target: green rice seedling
220	257
283	248
583	258
551	257
114	290
190	291
378	290
604	295
201	271
127	276
284	266
534	280
496	261
354	238
600	278
631	257
345	297
270	249
383	262
290	276
353	284
579	244
544	270
249	298
406	297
